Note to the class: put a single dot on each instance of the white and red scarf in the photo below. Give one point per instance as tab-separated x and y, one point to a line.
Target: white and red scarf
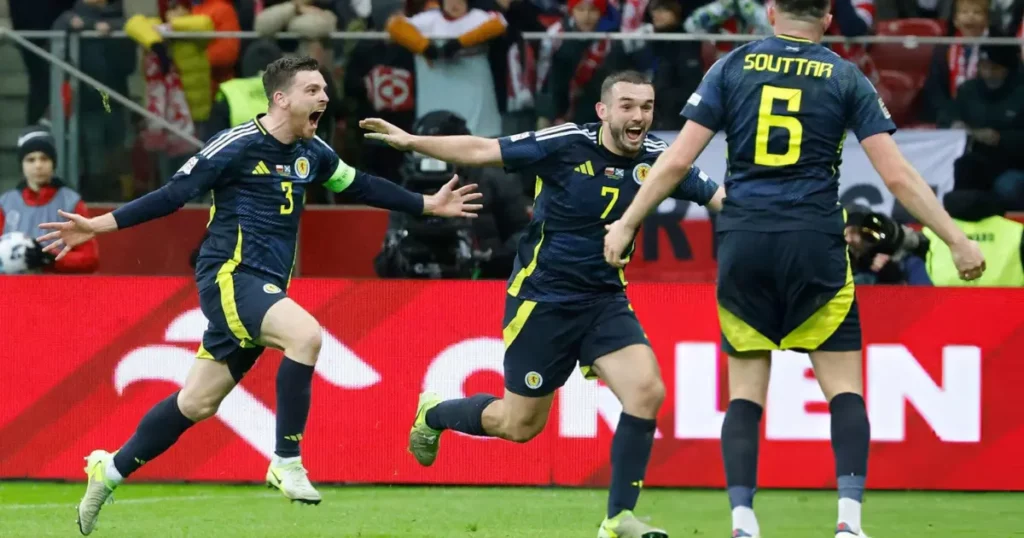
165	97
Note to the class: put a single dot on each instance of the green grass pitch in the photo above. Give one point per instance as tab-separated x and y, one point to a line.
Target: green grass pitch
38	510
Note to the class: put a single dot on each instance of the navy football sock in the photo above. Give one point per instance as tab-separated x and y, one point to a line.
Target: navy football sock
739	451
462	415
160	428
851	436
294	388
631	450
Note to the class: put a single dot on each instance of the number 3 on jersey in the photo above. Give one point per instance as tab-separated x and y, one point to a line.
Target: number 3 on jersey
286	209
766	120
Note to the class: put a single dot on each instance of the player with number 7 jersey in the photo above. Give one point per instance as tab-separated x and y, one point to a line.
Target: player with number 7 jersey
564	305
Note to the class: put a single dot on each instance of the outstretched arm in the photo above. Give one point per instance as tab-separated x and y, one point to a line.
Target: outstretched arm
194	178
450	201
464	150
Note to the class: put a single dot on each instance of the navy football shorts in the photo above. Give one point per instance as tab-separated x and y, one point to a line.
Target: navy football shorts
786	290
235	304
544	341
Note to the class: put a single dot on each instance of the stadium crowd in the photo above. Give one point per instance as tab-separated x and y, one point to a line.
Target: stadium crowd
497	83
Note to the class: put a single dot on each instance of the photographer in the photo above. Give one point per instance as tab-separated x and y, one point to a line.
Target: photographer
883	251
425	247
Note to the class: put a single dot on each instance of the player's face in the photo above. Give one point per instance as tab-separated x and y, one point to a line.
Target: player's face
37	168
305	102
628	115
586	15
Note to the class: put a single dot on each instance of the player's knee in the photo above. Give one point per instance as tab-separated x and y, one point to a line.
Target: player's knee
305	344
197	406
523	431
645	397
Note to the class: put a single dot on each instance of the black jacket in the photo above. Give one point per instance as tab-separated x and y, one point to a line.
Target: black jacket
1003	110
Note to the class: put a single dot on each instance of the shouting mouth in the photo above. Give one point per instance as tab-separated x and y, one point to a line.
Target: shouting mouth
315	116
634	134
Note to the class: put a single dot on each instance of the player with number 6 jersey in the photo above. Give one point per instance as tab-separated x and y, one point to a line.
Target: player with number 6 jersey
784	278
564	305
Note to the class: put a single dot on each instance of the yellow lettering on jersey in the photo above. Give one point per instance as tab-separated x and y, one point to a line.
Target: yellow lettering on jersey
787	65
286	209
614	193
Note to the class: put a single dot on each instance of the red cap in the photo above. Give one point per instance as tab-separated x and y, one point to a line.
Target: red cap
601	5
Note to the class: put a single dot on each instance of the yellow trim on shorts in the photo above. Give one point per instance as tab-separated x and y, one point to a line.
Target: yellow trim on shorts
226	283
741	336
514	327
818	328
525	272
201	353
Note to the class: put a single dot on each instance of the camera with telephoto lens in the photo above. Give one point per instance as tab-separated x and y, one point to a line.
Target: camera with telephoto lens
880	234
426	246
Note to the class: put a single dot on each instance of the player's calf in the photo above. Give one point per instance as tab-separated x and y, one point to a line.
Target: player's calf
748	387
631	373
840	376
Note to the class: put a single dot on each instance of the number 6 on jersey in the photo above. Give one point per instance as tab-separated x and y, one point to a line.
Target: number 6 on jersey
766	120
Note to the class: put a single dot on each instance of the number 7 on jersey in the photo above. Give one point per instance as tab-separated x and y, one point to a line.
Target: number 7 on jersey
766	120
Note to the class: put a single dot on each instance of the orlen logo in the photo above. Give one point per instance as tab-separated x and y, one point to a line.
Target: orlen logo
895	378
247	416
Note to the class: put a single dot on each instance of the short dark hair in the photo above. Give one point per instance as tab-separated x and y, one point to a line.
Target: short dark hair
628	76
804	9
281	72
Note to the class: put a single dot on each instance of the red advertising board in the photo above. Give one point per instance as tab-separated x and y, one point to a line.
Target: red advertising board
85	357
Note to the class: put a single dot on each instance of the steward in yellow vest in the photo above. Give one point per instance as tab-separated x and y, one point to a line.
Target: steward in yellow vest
1001	241
241	99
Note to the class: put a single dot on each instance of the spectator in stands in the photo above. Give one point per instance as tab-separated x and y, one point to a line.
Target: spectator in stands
379	82
455	75
674	67
569	73
314	20
201	65
729	17
991	108
952	65
38	198
240	100
109	61
28	15
855	18
980	215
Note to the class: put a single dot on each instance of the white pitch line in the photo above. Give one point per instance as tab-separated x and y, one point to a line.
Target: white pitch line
145	500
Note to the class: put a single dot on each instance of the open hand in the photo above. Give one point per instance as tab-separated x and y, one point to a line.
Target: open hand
68	234
386	132
450	201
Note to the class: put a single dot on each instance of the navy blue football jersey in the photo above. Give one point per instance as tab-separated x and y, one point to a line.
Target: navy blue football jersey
259	187
785	105
580	187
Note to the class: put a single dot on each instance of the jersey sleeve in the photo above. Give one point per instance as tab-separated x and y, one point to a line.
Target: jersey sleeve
705	106
525	150
202	172
867	114
697	187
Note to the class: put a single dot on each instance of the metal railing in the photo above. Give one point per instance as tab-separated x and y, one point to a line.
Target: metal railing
66	130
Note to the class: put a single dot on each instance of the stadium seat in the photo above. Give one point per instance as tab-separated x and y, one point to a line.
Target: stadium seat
896	56
915	27
902	90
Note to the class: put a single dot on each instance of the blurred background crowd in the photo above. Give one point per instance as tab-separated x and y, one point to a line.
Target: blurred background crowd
464	66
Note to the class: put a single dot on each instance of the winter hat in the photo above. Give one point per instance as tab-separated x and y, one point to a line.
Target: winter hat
36	138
